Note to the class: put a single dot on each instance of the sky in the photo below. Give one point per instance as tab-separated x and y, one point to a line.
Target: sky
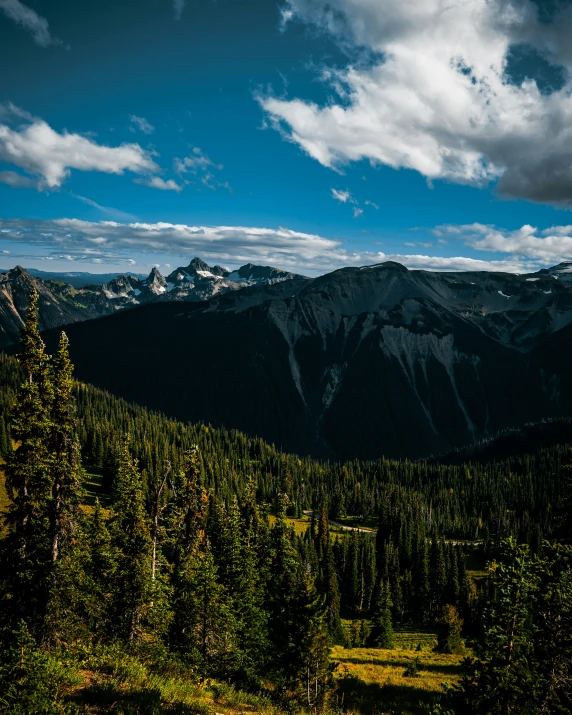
304	134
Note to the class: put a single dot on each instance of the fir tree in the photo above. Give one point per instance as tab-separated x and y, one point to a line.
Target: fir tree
29	479
381	634
132	539
65	453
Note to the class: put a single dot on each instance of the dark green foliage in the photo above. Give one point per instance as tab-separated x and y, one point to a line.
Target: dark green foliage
524	662
412	670
29	681
381	634
135	604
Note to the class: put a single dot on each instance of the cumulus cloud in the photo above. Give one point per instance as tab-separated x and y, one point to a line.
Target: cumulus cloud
30	20
156	182
437	95
547	246
47	156
141	124
111	241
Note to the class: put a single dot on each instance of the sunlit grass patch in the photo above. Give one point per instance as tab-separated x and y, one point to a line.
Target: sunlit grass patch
374	681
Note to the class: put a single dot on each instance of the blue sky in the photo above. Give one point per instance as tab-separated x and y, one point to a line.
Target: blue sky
300	133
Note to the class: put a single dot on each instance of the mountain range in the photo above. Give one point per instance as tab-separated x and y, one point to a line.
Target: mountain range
64	301
360	362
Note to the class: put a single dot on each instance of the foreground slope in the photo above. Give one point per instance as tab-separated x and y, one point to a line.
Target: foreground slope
357	363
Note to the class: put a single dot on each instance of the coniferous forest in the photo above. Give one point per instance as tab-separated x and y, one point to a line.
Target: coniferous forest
150	566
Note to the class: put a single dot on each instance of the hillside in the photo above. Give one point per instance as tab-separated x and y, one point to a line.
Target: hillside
359	363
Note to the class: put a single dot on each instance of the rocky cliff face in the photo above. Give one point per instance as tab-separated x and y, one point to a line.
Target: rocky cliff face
361	362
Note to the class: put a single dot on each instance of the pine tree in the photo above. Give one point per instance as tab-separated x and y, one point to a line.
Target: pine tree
100	570
65	454
132	539
204	628
29	480
313	652
502	679
381	634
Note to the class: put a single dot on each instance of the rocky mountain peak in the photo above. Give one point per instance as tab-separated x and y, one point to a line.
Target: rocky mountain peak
197	264
18	271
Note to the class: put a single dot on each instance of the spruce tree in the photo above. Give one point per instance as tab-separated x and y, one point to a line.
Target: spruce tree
64	453
132	539
28	473
381	634
315	675
204	629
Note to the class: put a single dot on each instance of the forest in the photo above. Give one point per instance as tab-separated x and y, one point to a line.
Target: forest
149	565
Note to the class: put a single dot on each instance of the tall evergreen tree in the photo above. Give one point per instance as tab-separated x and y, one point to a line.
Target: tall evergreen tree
29	479
381	634
132	539
64	452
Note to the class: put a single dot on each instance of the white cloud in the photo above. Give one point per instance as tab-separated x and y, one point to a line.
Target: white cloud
306	253
48	156
141	124
155	182
201	166
436	97
343	196
357	212
178	7
546	246
30	20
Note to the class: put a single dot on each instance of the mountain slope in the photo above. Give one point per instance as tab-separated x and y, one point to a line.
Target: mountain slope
356	363
61	303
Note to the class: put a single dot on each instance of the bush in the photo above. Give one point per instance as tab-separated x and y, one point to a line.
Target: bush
412	670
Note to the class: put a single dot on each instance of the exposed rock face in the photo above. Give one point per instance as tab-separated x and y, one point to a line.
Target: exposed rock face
61	303
357	363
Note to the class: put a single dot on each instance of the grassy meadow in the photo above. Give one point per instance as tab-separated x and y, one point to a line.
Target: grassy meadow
372	681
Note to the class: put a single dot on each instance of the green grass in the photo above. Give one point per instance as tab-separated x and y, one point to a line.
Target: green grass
93	489
371	681
109	680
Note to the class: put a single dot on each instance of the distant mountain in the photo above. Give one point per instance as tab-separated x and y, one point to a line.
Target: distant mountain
62	303
360	362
